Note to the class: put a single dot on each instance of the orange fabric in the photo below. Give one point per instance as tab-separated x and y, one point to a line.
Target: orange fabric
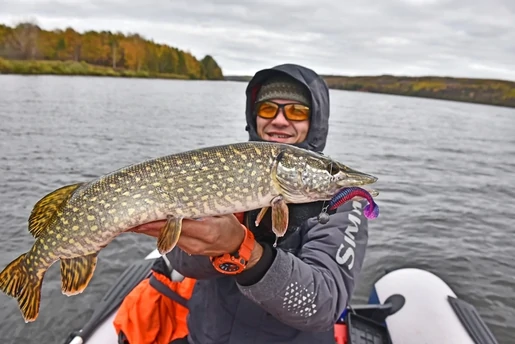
340	333
147	316
239	216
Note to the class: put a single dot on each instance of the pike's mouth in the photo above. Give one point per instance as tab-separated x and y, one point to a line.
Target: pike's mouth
372	192
356	178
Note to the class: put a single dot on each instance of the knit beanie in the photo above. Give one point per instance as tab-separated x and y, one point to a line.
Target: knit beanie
284	87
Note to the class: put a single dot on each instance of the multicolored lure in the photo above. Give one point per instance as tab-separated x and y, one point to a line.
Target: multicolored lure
371	210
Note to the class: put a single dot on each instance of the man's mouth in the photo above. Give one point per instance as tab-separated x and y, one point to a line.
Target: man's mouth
279	135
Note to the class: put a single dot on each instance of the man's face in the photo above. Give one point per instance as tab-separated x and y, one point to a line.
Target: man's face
280	129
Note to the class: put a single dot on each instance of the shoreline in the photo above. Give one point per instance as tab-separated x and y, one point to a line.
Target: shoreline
468	90
73	68
27	49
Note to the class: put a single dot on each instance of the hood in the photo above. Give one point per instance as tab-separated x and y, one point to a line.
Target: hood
319	122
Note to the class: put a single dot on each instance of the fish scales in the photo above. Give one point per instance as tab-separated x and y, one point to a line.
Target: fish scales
73	223
185	184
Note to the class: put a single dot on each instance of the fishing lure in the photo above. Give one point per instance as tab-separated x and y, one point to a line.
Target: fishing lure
371	210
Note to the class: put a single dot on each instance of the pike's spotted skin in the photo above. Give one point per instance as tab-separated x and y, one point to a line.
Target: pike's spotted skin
72	224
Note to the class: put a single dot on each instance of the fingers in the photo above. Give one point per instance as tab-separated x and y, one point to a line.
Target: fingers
151	228
202	230
213	236
199	236
211	228
153	233
207	235
194	246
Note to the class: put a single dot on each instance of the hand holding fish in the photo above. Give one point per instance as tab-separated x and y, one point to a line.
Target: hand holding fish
209	236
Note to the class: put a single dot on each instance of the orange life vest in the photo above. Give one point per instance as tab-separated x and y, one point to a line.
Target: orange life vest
148	316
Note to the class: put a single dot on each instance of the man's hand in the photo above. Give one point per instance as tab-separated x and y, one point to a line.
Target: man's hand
209	236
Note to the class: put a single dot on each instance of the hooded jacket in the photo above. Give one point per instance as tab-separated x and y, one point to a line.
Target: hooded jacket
319	122
298	290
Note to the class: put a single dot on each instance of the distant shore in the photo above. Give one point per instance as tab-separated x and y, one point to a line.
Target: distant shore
27	49
72	68
30	50
479	91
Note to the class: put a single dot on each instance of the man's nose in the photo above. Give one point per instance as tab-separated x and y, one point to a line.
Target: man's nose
280	119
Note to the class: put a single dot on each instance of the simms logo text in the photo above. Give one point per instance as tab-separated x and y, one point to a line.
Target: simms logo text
346	256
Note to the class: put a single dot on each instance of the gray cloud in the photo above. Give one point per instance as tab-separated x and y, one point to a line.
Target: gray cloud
402	37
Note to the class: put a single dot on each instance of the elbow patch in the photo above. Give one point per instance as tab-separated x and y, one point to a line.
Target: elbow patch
299	300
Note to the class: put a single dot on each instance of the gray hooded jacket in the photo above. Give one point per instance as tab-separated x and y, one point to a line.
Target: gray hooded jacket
298	290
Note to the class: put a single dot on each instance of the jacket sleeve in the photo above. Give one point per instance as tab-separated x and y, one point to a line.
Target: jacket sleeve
197	267
311	290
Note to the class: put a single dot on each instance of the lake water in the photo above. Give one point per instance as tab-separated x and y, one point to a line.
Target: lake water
446	176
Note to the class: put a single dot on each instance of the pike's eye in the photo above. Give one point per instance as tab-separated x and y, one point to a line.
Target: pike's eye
333	169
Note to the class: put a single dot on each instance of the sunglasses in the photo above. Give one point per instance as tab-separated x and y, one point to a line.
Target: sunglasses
292	111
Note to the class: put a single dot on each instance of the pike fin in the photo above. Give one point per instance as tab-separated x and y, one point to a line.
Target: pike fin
280	215
169	234
16	282
76	273
47	207
261	215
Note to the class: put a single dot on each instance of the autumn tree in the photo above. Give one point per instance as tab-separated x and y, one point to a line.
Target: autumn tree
116	50
211	68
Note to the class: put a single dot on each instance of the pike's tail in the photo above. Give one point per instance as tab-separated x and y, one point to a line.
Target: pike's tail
17	282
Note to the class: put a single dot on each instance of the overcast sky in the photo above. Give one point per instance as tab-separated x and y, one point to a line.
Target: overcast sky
467	38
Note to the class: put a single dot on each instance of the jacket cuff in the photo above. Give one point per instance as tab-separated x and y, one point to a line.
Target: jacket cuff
256	273
273	281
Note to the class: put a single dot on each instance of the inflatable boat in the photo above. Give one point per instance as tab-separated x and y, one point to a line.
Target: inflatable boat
405	306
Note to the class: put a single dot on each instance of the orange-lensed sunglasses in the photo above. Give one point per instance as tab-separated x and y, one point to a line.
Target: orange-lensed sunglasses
292	111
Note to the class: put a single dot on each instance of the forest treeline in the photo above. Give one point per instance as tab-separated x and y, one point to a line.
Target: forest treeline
481	91
28	49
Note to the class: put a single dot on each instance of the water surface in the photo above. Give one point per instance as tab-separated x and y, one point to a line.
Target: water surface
446	177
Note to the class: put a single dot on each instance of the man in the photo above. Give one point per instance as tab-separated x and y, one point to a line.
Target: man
294	292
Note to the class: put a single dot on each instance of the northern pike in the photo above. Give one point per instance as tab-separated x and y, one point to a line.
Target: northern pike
73	223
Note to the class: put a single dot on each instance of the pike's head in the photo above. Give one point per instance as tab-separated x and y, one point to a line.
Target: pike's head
305	176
